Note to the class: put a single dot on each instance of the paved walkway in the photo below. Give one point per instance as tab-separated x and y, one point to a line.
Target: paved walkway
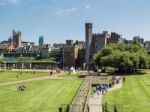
95	102
55	76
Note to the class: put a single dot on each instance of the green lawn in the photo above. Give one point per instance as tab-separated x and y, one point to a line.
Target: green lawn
39	96
12	76
134	95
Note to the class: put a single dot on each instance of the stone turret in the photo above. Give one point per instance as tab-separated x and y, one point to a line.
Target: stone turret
88	38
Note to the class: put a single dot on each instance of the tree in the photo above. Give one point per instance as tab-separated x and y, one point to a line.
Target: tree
106	51
96	58
123	57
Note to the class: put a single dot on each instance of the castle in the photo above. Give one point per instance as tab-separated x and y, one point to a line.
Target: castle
96	41
78	54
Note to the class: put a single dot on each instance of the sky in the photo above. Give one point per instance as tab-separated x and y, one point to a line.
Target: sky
58	20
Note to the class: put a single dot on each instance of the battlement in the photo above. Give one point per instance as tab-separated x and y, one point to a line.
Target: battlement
97	34
89	25
101	34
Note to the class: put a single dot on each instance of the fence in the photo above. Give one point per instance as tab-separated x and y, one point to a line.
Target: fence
64	108
80	108
112	108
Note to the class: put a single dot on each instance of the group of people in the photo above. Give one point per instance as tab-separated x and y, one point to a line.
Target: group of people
116	80
102	88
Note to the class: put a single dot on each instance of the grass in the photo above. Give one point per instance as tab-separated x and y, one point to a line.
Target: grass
39	96
12	76
134	95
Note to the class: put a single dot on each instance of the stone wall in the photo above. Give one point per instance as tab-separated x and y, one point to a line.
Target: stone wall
79	102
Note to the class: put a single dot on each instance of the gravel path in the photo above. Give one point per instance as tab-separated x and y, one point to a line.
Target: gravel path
55	76
32	70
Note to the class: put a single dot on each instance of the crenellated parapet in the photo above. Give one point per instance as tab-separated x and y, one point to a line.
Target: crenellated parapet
89	24
97	34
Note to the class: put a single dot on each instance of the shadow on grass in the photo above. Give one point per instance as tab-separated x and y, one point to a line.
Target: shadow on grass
127	73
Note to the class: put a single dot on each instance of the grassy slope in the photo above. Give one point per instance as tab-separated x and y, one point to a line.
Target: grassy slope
134	95
40	96
12	76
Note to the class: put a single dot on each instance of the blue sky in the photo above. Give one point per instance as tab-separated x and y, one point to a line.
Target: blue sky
59	20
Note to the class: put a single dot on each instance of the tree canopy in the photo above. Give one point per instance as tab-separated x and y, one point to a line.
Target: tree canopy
123	57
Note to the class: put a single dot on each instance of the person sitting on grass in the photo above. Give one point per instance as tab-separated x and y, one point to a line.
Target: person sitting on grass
22	88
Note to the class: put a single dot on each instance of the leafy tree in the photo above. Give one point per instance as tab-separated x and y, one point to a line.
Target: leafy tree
123	57
96	58
106	51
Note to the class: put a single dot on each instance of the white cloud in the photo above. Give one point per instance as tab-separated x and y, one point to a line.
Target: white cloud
62	11
87	6
14	1
2	2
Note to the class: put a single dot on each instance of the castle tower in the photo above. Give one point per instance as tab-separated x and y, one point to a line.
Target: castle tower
17	39
88	38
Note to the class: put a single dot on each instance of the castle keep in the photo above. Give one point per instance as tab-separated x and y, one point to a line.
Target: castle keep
96	41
